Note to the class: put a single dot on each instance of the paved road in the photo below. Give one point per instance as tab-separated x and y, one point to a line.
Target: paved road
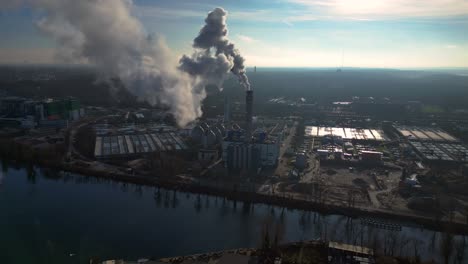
282	166
373	198
73	129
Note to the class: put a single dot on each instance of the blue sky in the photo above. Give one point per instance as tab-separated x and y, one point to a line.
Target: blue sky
288	33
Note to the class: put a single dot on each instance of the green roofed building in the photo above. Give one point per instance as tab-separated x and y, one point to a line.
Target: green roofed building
68	108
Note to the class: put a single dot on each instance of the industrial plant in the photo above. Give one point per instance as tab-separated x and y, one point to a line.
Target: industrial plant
254	147
323	155
150	130
127	146
27	113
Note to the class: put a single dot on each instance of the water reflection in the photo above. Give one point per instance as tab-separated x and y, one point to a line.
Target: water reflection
31	172
90	209
197	204
166	199
246	208
157	197
5	165
124	187
138	191
224	207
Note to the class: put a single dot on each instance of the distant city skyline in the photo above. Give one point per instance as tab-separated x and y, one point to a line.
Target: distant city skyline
284	33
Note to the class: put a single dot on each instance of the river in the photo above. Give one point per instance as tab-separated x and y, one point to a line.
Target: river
54	217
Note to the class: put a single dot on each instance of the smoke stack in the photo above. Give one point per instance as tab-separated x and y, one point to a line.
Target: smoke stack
248	115
227	110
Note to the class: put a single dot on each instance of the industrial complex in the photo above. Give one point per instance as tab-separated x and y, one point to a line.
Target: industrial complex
433	144
26	113
346	133
337	160
243	146
414	133
126	146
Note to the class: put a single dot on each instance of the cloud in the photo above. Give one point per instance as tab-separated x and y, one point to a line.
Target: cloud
373	9
287	22
451	46
192	10
10	4
246	38
28	55
166	13
264	15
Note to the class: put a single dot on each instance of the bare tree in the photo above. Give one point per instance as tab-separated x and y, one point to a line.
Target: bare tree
460	247
416	244
446	247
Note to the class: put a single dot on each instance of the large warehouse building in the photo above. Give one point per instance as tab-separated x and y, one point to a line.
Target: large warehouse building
346	133
136	144
434	144
425	134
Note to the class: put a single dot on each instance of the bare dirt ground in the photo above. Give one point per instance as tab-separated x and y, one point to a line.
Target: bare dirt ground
282	169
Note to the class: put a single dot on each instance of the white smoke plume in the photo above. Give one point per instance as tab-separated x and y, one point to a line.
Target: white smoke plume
105	34
6	5
214	46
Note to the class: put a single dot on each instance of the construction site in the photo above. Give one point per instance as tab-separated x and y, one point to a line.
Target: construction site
409	170
387	167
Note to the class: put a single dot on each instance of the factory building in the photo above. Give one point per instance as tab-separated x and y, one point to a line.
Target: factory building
238	151
262	151
31	113
433	144
430	134
441	152
127	145
240	155
208	137
68	108
249	149
345	133
369	156
269	153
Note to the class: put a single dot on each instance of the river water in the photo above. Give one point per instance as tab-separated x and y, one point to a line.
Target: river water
52	217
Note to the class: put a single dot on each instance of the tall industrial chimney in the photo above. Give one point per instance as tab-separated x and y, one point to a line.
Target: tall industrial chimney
227	109
248	115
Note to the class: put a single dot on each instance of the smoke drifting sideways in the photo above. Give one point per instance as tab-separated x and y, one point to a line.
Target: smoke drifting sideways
215	51
106	35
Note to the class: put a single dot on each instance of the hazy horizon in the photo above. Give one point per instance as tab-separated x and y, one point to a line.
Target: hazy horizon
285	33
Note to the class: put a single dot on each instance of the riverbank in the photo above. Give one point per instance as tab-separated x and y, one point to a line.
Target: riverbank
296	252
179	184
315	251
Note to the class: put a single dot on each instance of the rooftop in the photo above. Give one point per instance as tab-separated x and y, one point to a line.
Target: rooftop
133	144
350	248
345	133
425	134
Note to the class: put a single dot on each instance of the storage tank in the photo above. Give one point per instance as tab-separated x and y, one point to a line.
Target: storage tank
218	133
210	139
197	134
221	128
301	160
261	136
205	126
230	135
